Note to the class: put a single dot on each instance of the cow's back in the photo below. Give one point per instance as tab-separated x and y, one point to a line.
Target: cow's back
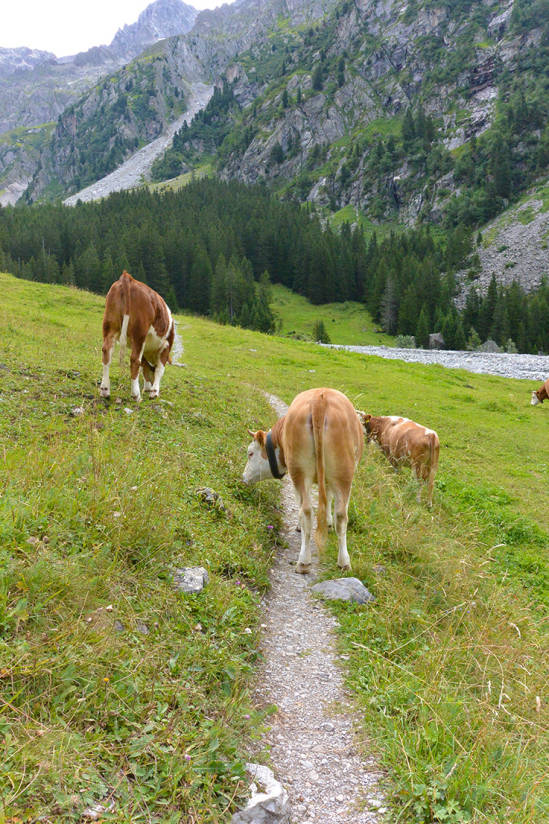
341	433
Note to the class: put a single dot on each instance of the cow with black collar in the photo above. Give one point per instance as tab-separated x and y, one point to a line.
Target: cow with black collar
319	440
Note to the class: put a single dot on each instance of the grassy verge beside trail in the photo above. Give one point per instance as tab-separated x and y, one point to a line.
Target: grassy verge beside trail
449	664
113	686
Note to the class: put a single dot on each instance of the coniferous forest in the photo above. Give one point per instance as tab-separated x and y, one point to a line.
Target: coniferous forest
213	248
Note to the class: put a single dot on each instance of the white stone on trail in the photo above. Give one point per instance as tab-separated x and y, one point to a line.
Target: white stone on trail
316	721
268	803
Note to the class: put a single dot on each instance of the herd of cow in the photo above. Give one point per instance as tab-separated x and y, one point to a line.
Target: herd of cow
318	441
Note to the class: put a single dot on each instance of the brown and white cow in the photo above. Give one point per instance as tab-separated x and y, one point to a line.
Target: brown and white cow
319	440
541	394
136	313
405	442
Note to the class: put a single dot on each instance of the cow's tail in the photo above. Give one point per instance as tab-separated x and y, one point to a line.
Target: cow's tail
318	417
125	315
433	458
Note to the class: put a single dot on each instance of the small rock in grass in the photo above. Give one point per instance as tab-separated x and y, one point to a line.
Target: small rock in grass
190	579
128	411
78	410
344	589
98	811
210	497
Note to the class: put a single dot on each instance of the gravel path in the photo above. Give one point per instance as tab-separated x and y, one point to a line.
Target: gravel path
529	367
312	738
136	168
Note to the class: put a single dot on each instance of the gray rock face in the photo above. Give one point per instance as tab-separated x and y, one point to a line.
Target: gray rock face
514	248
190	579
269	803
344	589
163	18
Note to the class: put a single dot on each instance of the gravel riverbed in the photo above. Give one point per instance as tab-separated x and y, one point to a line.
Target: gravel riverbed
527	367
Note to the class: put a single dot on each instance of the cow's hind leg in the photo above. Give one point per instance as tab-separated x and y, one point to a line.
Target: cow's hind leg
303	493
158	372
108	346
341	521
148	375
417	472
329	508
135	365
429	478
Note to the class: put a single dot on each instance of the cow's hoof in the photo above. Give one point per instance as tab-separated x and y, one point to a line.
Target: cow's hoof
136	398
153	394
105	393
303	569
345	567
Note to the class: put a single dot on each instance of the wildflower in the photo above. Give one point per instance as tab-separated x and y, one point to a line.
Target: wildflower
187	757
270	526
106	679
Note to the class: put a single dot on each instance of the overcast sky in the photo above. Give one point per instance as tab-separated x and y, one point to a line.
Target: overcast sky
70	26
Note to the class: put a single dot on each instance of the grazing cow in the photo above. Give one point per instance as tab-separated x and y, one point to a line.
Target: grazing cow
406	442
134	312
319	440
541	394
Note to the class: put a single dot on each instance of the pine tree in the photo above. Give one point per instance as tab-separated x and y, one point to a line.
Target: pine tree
422	328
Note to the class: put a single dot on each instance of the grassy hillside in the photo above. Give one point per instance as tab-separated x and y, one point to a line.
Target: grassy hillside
147	703
346	323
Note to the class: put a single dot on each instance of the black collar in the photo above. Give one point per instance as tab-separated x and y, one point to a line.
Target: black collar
273	463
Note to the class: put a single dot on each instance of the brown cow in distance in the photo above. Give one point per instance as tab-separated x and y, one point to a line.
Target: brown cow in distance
319	440
406	442
136	313
541	394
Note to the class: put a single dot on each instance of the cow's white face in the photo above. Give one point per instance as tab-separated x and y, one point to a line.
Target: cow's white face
257	467
535	400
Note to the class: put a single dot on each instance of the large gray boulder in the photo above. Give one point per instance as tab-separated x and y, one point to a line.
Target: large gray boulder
344	589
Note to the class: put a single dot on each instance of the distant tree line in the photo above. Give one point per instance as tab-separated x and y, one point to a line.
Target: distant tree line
214	247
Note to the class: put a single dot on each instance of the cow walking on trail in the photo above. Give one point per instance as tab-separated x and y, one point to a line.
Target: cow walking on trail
319	440
541	394
136	313
406	442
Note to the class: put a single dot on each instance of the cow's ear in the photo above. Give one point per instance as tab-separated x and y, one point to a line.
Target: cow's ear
261	437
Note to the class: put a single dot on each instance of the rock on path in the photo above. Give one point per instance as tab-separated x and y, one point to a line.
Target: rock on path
137	167
312	738
528	367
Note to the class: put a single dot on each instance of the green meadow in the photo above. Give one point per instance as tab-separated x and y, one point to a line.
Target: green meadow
115	688
345	323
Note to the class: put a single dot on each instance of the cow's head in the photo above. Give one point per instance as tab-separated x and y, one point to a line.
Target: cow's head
257	468
365	420
536	398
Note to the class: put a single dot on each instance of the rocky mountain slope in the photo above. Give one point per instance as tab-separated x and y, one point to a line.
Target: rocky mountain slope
388	111
115	123
36	87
